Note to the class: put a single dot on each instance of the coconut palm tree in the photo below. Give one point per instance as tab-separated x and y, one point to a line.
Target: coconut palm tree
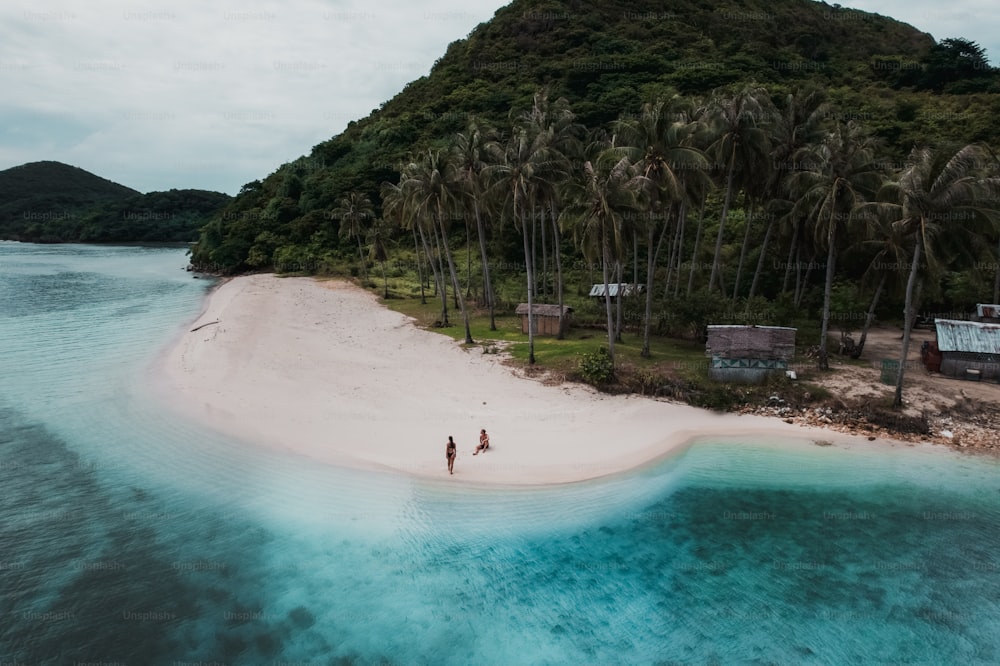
890	253
841	174
659	143
430	192
598	201
525	163
800	123
939	195
353	211
468	153
741	143
394	210
377	240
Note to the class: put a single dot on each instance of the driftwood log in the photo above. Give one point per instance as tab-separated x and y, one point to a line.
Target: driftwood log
197	328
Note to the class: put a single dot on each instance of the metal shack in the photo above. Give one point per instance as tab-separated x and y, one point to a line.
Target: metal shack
988	313
545	318
625	289
969	349
748	354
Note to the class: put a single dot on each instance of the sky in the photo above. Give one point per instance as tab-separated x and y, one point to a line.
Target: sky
186	94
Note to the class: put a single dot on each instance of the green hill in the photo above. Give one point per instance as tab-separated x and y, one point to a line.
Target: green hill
55	202
607	59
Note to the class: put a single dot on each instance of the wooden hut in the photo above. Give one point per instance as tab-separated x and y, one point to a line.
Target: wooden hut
969	349
545	318
748	354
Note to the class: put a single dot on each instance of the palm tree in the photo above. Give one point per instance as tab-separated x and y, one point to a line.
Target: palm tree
377	240
607	191
431	199
799	124
660	146
890	253
521	166
741	142
841	172
394	209
469	153
352	211
938	195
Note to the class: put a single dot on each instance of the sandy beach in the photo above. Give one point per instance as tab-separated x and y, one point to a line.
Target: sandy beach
321	369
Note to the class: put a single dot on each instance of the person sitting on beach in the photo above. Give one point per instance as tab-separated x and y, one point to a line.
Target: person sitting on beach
484	442
450	451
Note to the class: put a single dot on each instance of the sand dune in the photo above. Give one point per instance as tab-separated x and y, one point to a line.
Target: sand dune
321	369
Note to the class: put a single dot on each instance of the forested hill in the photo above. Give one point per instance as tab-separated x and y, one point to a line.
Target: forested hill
607	59
53	202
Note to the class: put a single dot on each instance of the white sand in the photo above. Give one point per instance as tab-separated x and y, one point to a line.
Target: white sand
323	370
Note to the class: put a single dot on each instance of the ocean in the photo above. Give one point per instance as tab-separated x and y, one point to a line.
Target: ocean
130	537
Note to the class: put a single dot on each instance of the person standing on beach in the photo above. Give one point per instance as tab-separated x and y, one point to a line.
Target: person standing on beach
450	451
484	442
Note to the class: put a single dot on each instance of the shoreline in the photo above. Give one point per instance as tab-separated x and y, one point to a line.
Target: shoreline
325	371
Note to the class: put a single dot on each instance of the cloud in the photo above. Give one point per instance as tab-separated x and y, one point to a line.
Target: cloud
157	95
184	94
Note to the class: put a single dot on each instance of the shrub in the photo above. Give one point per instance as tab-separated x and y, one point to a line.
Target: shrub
596	368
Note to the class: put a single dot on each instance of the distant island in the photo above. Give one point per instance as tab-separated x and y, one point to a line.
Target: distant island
52	202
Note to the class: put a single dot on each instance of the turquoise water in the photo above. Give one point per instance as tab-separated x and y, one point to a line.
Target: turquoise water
127	536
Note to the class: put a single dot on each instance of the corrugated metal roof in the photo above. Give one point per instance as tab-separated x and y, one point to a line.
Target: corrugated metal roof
542	309
626	288
750	342
777	328
967	336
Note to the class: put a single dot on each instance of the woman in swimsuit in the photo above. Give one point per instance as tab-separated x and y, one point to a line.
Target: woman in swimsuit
484	442
450	451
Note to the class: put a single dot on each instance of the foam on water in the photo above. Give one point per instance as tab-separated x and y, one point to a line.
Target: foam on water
130	536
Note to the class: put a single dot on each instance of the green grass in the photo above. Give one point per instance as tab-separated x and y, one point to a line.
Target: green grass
679	356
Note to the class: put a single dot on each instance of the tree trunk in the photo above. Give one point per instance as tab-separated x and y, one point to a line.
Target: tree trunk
487	283
996	280
722	221
385	282
869	317
831	238
908	318
619	270
420	268
534	252
650	269
545	247
743	252
556	247
682	221
456	287
760	261
361	256
531	281
674	253
606	257
792	252
697	244
468	258
442	282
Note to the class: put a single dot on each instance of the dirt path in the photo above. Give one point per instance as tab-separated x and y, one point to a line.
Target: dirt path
967	411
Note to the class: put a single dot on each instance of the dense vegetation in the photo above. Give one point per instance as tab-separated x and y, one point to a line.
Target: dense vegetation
751	162
49	202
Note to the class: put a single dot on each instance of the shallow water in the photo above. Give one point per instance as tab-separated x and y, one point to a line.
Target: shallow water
128	536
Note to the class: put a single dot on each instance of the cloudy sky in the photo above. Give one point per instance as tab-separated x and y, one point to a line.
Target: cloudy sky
158	95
